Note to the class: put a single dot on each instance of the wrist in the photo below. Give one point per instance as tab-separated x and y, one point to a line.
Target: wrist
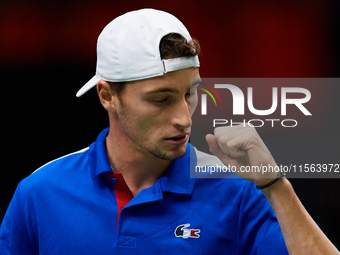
281	188
268	183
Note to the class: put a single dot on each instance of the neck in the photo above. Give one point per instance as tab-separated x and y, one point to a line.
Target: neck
139	170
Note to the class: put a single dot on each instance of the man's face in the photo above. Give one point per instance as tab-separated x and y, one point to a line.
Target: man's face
154	114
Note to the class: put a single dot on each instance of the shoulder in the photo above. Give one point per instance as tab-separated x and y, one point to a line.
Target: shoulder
206	159
211	167
211	174
215	176
59	170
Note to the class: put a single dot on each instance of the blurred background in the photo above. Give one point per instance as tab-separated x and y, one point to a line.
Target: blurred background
48	51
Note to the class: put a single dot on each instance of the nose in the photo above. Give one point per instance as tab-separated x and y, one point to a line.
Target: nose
182	116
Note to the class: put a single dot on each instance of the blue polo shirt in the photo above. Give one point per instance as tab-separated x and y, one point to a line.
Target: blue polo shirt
69	206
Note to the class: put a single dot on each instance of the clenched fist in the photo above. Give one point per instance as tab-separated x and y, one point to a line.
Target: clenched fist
241	147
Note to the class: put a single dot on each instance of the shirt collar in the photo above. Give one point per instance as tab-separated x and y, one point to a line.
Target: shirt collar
99	162
176	179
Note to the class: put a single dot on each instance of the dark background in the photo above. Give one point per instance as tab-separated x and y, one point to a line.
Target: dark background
48	51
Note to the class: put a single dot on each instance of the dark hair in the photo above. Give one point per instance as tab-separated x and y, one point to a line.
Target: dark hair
172	45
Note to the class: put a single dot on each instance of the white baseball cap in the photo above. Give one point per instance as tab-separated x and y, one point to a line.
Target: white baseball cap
128	48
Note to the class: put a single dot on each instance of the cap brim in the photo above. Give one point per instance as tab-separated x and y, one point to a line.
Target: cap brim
89	85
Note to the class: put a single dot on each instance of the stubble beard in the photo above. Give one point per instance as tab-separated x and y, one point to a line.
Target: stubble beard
155	151
152	149
158	154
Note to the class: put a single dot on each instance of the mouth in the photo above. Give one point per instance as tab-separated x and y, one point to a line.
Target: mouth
178	140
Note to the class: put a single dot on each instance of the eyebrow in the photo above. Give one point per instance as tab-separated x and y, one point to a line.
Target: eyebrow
163	90
198	82
170	90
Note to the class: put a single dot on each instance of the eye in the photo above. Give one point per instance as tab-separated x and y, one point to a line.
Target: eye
191	92
161	101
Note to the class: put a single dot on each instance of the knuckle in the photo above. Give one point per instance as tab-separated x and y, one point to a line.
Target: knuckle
231	144
224	139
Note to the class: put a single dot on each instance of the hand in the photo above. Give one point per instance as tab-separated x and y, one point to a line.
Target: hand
242	147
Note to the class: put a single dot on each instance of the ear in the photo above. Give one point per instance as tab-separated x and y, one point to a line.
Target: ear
105	95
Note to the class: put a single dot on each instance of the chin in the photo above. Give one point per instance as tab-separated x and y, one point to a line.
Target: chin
180	152
170	155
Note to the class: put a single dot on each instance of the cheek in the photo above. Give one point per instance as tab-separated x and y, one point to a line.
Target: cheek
146	124
151	125
142	120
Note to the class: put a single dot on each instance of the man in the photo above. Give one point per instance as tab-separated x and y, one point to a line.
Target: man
130	192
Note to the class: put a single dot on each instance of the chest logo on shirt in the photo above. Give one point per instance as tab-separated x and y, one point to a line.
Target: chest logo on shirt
183	231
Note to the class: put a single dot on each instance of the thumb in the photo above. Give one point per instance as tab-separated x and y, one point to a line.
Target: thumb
213	146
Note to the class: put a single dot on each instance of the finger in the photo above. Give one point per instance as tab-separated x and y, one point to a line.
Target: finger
236	146
227	144
236	130
233	144
242	139
213	146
